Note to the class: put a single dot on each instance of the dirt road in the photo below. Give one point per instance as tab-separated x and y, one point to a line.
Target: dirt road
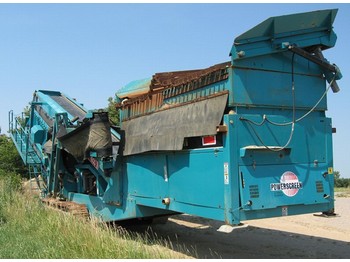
303	236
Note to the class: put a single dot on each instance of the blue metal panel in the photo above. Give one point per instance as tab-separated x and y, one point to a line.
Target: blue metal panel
262	186
37	134
262	86
192	180
196	177
308	141
304	30
284	211
286	25
145	170
191	177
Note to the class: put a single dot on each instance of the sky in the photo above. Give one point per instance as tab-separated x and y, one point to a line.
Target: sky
88	51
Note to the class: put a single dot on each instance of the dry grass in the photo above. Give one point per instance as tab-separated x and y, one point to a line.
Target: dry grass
342	191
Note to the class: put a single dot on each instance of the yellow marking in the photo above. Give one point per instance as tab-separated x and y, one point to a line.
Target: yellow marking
330	170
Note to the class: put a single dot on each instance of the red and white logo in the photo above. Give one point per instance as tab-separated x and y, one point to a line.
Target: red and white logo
289	184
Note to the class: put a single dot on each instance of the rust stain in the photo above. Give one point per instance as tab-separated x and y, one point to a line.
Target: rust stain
171	84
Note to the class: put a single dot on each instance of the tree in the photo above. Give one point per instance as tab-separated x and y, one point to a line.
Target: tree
340	182
113	112
10	161
336	175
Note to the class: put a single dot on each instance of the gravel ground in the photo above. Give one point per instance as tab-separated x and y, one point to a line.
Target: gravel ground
303	236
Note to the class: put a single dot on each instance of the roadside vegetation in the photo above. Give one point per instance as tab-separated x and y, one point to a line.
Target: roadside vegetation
30	230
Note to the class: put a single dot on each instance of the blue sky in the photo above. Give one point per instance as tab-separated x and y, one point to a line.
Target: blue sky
89	51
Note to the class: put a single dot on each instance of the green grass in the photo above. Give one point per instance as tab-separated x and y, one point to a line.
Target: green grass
30	230
342	191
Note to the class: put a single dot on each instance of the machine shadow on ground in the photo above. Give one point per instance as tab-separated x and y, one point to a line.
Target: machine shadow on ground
199	238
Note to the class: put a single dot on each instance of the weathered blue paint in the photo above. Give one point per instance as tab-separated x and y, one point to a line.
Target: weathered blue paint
273	154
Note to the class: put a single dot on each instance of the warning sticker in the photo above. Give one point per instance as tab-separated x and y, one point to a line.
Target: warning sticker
330	170
226	175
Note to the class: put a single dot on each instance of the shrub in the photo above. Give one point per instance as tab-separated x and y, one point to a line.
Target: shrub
10	160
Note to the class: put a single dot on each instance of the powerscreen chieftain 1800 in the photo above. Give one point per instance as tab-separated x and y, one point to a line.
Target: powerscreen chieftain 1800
240	140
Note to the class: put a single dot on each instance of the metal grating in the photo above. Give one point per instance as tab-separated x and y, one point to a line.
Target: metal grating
254	191
319	187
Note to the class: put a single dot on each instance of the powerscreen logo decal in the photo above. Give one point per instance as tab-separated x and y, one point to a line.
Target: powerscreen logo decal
289	184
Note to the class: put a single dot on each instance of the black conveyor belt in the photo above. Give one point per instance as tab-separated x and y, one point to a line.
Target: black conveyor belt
69	106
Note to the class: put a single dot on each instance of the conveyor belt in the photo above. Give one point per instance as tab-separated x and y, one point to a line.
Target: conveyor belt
69	106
